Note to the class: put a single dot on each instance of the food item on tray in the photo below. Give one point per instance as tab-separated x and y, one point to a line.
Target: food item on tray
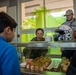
64	65
54	66
39	64
28	66
28	61
64	69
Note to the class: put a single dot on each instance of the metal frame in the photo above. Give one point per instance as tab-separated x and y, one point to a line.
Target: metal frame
44	44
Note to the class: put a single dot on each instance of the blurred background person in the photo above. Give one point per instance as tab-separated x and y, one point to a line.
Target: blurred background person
34	53
71	22
72	67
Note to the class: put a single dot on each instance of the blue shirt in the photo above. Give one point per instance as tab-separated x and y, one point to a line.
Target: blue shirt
9	63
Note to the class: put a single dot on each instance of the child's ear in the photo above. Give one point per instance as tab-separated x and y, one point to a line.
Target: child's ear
7	29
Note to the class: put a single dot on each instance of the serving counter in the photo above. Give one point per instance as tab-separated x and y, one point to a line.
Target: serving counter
28	72
55	63
24	71
43	45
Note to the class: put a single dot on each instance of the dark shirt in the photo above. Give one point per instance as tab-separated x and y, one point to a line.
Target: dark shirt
34	53
72	67
73	61
35	39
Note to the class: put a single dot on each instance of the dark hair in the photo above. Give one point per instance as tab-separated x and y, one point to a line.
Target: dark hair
40	29
5	21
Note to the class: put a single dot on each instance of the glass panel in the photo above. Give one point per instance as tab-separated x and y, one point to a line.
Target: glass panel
55	16
27	37
53	50
54	19
32	14
55	10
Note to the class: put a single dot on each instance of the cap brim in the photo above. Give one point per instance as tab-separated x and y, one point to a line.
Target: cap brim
66	15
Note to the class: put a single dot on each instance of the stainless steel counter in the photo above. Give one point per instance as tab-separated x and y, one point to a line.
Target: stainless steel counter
25	71
43	44
28	72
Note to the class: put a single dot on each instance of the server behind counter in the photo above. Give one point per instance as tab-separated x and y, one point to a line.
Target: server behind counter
71	22
34	53
66	36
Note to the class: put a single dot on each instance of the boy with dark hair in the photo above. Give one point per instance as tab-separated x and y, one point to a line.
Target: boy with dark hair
9	63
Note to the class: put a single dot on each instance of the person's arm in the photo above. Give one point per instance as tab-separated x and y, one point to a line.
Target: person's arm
44	52
62	49
9	62
26	53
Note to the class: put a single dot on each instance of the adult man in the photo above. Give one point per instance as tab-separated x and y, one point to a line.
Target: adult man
70	21
9	63
34	53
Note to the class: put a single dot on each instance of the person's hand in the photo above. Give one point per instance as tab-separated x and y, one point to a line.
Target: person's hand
74	35
62	50
28	61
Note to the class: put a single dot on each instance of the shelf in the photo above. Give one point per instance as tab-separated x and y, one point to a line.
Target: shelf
44	44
